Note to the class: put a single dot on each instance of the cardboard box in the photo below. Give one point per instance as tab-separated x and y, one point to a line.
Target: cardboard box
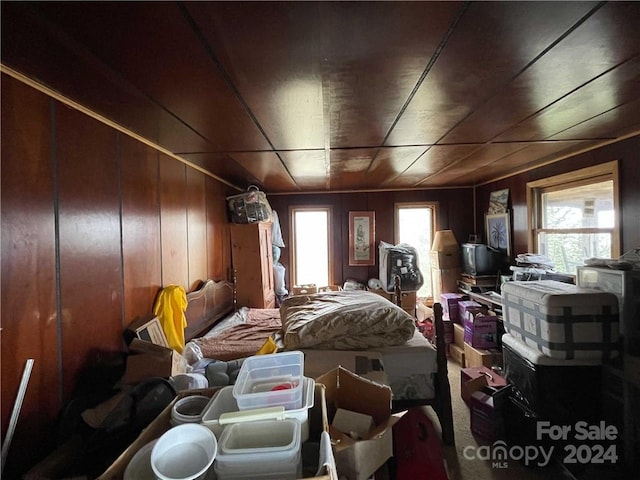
359	459
457	354
465	306
476	378
480	330
458	335
449	303
448	330
444	281
354	424
477	357
445	260
318	424
147	359
487	413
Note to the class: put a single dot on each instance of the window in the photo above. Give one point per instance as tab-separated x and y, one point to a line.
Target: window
415	225
311	231
574	216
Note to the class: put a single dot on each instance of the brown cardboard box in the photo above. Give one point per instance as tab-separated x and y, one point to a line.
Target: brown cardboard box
147	359
477	357
317	424
458	335
445	260
445	281
359	459
457	354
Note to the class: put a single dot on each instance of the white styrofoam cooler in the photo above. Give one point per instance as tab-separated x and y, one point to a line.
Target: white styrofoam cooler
561	320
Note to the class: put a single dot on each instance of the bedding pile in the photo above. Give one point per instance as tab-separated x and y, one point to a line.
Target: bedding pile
343	320
239	337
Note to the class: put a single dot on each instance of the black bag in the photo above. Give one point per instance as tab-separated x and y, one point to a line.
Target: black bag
96	447
402	261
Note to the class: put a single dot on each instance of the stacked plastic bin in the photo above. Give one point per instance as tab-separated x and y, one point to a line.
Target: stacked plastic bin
262	420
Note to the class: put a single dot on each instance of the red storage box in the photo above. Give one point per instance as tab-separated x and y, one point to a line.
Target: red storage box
476	378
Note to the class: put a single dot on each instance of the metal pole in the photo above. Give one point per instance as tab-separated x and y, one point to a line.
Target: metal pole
16	411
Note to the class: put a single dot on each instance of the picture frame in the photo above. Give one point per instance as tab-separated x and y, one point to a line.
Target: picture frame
498	201
148	329
362	238
499	232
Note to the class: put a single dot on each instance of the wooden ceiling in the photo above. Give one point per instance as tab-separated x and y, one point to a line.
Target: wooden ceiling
343	96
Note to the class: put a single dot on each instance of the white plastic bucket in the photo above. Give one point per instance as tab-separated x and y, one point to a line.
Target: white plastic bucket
184	452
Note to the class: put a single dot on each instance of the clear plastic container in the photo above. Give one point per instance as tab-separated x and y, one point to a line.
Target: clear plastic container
189	409
272	379
223	402
263	449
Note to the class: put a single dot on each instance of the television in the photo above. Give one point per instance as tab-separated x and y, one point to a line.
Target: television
480	259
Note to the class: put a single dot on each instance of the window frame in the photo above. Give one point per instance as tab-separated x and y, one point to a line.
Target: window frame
585	176
292	238
434	206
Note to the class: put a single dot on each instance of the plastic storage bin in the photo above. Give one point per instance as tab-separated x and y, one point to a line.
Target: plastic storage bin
268	449
561	391
270	380
224	402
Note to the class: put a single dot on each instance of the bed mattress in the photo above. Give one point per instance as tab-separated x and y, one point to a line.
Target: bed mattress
561	320
409	369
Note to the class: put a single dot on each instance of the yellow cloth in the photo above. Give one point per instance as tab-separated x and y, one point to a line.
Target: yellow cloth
269	346
169	308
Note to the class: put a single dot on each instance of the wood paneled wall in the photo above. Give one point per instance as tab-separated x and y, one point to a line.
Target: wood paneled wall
628	156
94	224
455	212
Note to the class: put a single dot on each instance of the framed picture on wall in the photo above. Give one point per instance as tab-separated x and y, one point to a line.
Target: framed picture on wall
498	232
362	238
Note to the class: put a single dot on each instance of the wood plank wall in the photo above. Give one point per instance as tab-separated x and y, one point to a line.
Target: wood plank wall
455	212
94	224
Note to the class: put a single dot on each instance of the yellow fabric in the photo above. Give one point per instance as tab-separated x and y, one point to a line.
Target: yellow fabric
268	347
169	308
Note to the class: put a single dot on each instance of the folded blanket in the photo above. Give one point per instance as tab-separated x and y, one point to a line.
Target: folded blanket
243	339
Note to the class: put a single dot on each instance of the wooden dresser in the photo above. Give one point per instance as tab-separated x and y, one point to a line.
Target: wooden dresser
252	257
408	300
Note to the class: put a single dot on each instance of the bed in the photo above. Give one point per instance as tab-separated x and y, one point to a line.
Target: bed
393	352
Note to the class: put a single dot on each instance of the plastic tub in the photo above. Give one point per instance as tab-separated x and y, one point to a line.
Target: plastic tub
268	380
184	452
189	409
139	468
262	449
223	402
